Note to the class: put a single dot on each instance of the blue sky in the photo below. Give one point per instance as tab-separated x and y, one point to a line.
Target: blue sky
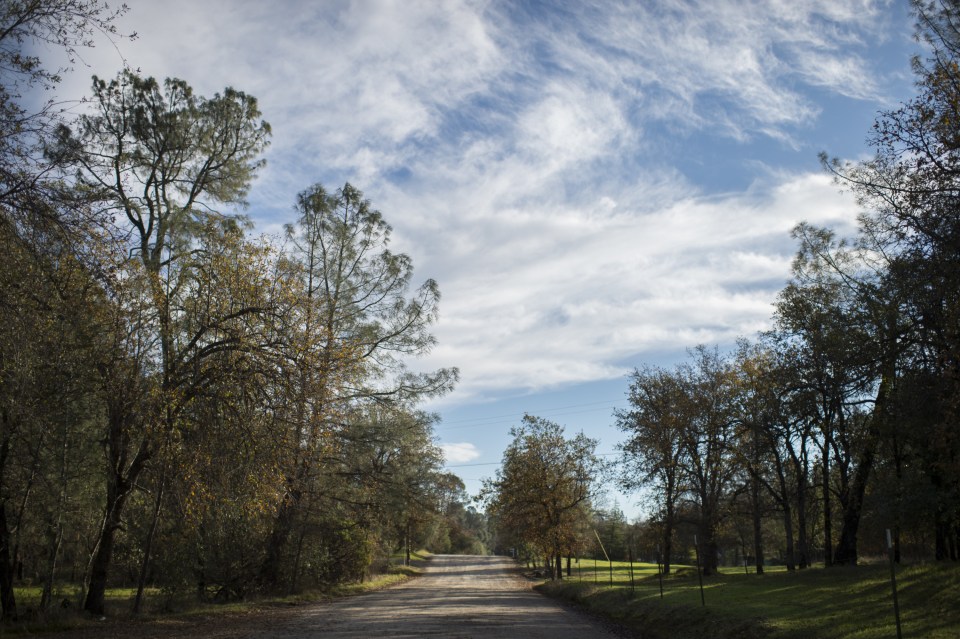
594	185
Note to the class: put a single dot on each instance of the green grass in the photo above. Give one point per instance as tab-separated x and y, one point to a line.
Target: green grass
415	556
158	605
599	571
28	597
833	603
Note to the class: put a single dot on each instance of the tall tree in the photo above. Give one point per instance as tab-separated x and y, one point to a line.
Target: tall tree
356	320
707	440
653	455
681	428
909	191
544	486
846	321
162	160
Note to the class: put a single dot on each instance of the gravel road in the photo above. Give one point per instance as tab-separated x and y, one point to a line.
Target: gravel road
457	596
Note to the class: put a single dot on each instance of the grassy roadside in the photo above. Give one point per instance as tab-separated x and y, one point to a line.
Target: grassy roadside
163	607
835	603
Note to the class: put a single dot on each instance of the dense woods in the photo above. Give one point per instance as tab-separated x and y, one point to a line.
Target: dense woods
184	405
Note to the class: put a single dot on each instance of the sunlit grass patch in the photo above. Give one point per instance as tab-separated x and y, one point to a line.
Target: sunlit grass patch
813	603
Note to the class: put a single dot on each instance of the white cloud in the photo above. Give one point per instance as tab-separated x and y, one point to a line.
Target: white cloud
697	64
459	453
540	190
568	298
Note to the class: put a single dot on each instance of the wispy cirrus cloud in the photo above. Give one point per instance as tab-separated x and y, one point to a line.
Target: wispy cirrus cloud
535	158
568	298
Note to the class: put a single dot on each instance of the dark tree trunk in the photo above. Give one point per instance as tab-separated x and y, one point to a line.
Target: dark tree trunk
99	567
103	554
708	558
297	562
846	552
788	533
667	540
898	466
942	532
119	485
282	526
201	567
803	549
827	518
955	555
55	529
148	545
8	599
708	546
757	523
55	539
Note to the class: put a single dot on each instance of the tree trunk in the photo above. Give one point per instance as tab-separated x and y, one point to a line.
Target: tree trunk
754	469
708	545
667	539
942	531
282	526
118	490
282	529
711	564
298	560
803	559
559	566
103	553
898	467
148	544
955	553
788	532
8	599
55	537
757	524
846	552
827	520
200	571
55	528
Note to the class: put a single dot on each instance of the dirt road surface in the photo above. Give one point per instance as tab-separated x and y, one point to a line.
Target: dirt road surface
460	597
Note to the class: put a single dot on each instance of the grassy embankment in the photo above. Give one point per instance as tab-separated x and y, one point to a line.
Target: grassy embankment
159	604
817	603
